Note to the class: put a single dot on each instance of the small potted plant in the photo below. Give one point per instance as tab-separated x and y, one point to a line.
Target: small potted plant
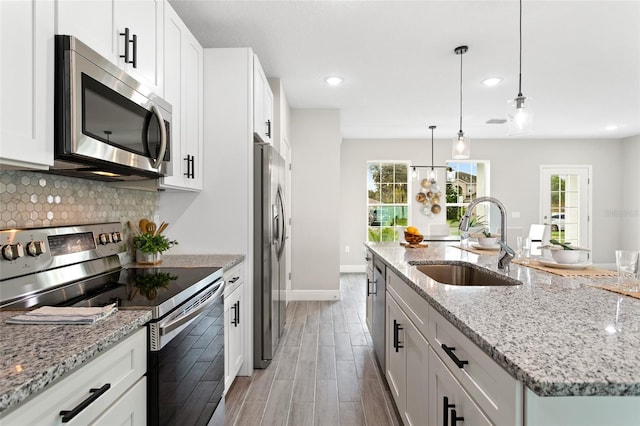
149	247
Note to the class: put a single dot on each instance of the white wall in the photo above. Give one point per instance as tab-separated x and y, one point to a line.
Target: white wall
515	170
315	201
628	210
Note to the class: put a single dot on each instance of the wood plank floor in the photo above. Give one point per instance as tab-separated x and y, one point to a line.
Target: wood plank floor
323	373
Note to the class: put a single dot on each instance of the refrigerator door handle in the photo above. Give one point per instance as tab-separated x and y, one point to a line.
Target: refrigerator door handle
275	221
282	231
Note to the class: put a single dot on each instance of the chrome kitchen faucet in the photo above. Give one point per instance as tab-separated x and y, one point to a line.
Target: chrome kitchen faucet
506	252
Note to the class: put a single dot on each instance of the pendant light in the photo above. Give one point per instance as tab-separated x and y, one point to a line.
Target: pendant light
520	110
461	148
433	176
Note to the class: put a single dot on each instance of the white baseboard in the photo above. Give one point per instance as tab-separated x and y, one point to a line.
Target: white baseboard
313	295
353	268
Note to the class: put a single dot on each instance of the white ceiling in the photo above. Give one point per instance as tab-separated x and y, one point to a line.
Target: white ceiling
581	61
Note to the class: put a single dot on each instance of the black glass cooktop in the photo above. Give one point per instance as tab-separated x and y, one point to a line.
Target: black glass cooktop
129	288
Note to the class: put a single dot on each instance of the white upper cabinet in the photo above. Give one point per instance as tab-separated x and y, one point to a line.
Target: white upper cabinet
144	58
26	84
183	59
262	104
127	32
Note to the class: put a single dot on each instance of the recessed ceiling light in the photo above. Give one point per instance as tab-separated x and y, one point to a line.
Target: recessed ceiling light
491	81
611	127
333	80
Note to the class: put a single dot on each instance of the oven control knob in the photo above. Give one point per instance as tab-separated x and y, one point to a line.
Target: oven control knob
12	251
116	237
35	248
104	238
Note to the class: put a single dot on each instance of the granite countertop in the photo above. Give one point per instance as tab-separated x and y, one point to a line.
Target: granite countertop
558	335
225	261
33	356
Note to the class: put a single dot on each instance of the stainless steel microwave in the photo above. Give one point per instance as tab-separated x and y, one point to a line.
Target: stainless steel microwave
108	126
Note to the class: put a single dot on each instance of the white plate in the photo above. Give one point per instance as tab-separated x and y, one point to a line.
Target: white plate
490	248
553	264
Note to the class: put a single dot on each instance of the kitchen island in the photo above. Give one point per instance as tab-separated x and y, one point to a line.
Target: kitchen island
558	336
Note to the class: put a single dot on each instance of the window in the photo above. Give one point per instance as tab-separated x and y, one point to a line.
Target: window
471	181
387	202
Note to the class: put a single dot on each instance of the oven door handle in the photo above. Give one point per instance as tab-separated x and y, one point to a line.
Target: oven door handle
172	325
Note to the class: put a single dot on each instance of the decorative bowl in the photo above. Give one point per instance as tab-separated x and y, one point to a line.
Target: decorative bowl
413	238
487	241
566	256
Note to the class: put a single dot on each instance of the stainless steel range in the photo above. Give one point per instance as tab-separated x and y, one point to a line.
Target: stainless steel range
84	265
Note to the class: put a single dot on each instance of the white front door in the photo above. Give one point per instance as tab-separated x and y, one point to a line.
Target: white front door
565	202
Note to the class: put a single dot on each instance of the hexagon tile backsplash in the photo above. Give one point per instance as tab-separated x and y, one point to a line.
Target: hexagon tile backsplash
33	199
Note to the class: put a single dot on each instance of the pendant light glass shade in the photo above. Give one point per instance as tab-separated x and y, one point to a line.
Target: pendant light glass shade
451	175
520	115
520	109
461	148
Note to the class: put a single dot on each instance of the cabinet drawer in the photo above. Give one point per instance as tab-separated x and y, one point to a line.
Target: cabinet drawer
496	392
413	305
120	367
449	404
233	277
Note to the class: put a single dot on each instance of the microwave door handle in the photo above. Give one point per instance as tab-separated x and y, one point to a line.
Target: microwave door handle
163	136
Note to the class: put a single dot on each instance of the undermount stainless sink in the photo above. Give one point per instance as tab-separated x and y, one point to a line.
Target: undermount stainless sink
464	275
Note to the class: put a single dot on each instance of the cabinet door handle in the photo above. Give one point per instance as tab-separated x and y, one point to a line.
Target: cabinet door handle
126	45
396	335
369	282
191	171
134	40
188	160
238	313
445	410
454	417
449	350
68	415
268	128
234	321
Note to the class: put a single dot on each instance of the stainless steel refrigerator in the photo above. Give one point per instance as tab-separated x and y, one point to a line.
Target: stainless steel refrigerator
270	237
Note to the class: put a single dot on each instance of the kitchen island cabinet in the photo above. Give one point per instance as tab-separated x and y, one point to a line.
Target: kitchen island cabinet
563	345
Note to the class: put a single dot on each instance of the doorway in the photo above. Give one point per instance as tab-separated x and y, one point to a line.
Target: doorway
565	202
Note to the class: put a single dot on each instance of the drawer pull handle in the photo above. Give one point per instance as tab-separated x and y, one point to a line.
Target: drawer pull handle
233	280
68	415
454	418
396	335
445	411
449	350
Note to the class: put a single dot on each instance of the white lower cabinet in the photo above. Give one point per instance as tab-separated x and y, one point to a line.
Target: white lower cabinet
407	365
234	323
126	410
112	386
449	404
428	359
